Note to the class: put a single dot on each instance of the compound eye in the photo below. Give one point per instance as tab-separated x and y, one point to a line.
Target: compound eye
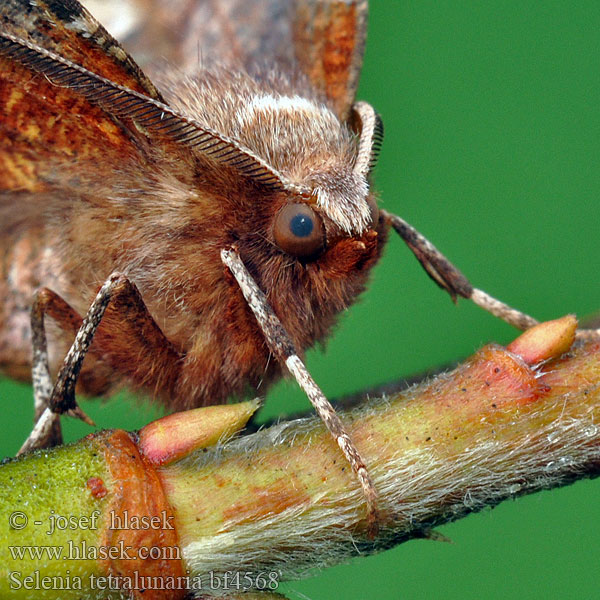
298	230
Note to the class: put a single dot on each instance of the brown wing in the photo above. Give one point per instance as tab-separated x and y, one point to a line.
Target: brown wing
66	28
323	38
62	121
49	135
240	33
329	42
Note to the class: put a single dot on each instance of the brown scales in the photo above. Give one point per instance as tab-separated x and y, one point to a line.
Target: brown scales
113	202
98	179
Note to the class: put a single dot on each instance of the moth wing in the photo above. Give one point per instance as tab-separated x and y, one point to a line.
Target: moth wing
325	39
329	42
50	135
66	28
187	33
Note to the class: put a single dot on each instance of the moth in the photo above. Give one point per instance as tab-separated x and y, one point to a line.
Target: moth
190	235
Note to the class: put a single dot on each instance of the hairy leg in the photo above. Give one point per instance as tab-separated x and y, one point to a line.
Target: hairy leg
449	278
129	338
281	345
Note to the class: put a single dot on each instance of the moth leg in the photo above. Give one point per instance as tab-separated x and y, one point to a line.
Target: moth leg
449	278
47	431
129	326
50	401
281	345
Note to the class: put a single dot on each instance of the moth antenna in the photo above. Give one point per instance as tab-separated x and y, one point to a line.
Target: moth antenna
152	115
369	125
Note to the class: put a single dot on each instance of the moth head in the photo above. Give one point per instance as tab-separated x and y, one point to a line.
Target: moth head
311	243
336	201
306	171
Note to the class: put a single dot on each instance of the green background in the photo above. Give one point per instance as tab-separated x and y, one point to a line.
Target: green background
492	148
